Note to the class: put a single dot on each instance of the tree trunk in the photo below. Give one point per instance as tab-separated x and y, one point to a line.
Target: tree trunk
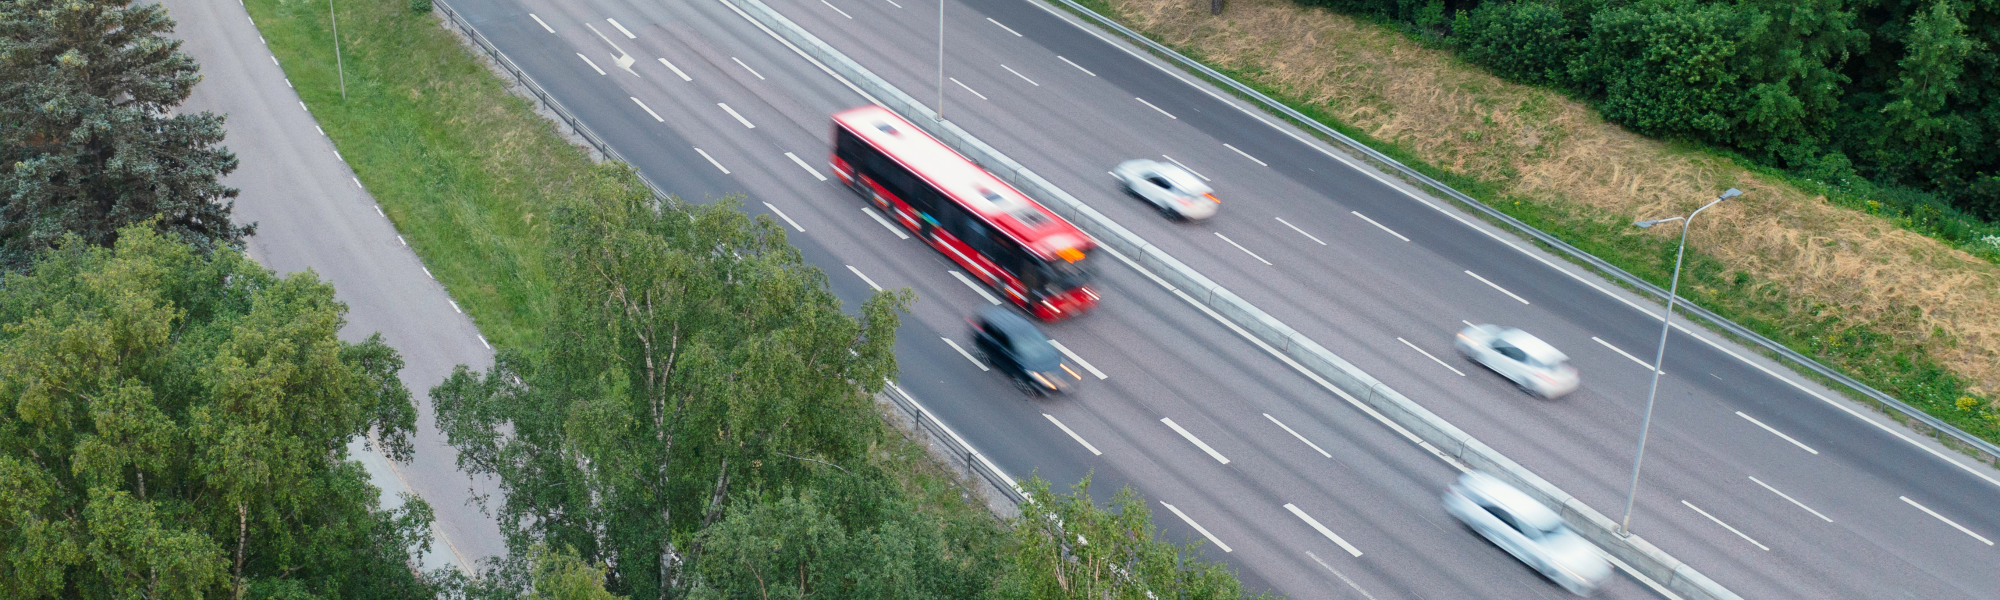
715	500
242	538
1214	7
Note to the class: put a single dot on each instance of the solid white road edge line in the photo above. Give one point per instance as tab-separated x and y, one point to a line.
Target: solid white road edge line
1018	74
836	9
1073	435
739	118
1197	527
538	21
1379	225
1776	432
649	110
711	160
954	346
1189	169
1725	526
1240	247
1946	521
864	278
1079	360
802	54
1078	67
885	223
1162	111
1428	355
1246	155
1009	29
781	215
1497	287
1626	354
593	65
954	436
1343	578
976	287
967	88
1789	498
1301	231
803	165
1295	434
1197	441
677	70
1323	530
622	29
739	62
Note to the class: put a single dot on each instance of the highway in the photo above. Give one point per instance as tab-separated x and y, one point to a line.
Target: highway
1763	486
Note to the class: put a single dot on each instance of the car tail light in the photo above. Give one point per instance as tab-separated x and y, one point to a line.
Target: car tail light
1212	197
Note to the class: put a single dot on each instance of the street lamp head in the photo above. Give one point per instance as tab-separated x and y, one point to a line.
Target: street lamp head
1646	223
1732	193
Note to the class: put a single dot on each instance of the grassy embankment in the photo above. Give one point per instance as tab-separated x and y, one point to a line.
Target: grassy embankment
1891	307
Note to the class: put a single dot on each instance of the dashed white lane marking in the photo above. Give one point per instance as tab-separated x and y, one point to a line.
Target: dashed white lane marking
967	88
649	110
781	215
711	160
1190	170
1079	360
399	238
1078	67
379	213
864	278
1197	527
1162	111
427	273
1246	155
623	30
836	9
1018	74
1732	529
976	287
357	183
1789	498
1776	432
1497	287
593	65
288	82
544	24
1240	247
1073	435
807	167
1315	447
954	345
893	3
885	223
739	62
1954	524
1009	29
274	60
454	306
302	106
1323	530
739	118
321	131
482	342
1343	578
1301	231
1379	225
677	70
1197	441
1428	355
1629	355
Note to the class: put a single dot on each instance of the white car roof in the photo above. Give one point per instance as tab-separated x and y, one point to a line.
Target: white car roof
1534	346
1181	178
1531	513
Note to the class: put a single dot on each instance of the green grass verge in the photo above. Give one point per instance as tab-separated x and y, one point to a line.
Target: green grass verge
1900	368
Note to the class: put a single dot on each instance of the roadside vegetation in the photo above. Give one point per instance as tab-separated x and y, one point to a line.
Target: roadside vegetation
1852	282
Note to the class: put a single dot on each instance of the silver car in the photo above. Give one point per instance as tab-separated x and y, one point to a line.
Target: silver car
1528	361
1529	531
1168	187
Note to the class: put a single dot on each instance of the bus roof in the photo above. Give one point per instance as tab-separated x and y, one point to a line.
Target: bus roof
1012	212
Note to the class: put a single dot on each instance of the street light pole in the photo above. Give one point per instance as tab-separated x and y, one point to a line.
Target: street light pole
1673	291
940	110
339	65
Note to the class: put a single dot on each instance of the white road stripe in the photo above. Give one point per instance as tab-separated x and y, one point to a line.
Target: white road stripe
1162	111
976	287
379	213
427	273
677	70
482	342
967	88
1079	360
836	9
545	25
321	131
1497	287
1776	432
649	110
739	62
1627	355
1296	228
1946	521
1246	155
1295	434
1240	247
1197	527
885	223
593	65
274	60
357	183
1078	67
807	167
454	306
864	278
1197	441
954	345
1732	529
739	118
1428	355
623	30
1343	578
1018	74
288	82
1323	530
1789	498
399	238
302	106
1073	435
1379	225
893	3
711	160
781	215
1190	170
1009	29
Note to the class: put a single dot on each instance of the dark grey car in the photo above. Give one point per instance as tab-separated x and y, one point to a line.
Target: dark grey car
1010	343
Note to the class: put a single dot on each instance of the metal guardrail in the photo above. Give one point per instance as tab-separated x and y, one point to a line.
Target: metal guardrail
1985	451
923	422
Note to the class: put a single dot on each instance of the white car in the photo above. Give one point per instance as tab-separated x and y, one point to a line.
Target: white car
1529	531
1528	361
1170	188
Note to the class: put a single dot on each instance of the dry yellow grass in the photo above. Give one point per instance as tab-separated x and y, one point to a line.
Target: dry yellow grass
1542	146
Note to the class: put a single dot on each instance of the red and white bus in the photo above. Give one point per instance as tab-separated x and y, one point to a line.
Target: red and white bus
1033	257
